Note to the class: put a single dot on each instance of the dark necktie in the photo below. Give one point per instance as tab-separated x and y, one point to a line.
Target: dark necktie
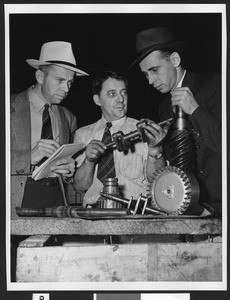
106	167
46	132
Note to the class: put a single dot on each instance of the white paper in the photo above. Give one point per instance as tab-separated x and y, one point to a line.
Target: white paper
66	150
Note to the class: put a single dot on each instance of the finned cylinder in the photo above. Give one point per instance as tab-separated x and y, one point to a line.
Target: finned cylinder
110	187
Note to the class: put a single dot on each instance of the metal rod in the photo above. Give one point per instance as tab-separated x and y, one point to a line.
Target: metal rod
70	211
126	201
133	135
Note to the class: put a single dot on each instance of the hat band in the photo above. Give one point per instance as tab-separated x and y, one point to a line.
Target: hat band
61	62
159	46
156	46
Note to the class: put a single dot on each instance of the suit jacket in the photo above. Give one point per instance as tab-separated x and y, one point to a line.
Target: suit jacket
20	132
205	125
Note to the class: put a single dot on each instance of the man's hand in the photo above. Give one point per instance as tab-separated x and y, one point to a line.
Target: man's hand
44	148
155	132
183	97
65	167
93	150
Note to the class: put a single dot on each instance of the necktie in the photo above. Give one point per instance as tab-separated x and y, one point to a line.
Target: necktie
106	167
46	132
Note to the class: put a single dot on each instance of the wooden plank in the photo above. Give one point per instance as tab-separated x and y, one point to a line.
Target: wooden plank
130	262
188	262
69	226
35	241
97	263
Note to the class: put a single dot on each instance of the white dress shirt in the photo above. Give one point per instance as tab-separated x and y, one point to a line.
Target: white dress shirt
130	168
36	111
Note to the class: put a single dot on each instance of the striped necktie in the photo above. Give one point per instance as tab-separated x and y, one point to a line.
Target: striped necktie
106	167
46	132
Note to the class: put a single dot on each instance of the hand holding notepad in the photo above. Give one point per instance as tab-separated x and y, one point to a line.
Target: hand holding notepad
66	150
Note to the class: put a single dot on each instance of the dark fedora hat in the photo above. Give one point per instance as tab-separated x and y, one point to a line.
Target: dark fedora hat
158	38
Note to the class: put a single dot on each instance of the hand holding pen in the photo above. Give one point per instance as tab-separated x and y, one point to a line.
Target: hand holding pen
44	148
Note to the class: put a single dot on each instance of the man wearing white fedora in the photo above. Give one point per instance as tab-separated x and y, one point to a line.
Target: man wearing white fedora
39	125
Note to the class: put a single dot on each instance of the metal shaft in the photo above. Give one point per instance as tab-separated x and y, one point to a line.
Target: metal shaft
70	212
127	202
182	144
133	135
136	134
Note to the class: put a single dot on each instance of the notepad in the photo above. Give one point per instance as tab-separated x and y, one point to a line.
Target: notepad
65	151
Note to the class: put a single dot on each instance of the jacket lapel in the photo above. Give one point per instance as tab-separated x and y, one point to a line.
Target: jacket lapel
63	127
189	81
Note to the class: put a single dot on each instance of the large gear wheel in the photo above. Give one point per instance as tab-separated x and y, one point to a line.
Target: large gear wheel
174	191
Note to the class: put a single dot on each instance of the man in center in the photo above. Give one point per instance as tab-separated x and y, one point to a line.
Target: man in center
133	168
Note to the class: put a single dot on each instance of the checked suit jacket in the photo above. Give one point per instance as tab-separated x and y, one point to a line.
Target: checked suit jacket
20	133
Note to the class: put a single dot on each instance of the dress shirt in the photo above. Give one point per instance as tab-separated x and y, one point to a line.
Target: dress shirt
130	167
180	83
36	110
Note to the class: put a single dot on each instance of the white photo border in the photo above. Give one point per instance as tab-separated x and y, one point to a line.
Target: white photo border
116	8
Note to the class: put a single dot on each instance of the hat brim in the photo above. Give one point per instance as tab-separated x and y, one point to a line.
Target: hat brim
37	63
175	45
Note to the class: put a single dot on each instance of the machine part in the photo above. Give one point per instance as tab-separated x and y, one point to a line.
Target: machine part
181	119
70	212
134	205
110	186
174	191
141	131
182	144
183	151
123	141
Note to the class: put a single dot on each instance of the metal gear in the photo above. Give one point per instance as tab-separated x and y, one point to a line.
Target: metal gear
174	191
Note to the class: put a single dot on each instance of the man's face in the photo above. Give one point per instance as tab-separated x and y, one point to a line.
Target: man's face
113	99
55	84
161	72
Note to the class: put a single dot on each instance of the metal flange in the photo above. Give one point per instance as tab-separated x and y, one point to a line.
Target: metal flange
174	191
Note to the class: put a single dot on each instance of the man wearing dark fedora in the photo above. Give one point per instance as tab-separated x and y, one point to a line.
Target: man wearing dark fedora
39	125
159	55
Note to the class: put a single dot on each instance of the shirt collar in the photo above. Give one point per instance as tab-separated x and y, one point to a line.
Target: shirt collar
36	101
182	78
115	123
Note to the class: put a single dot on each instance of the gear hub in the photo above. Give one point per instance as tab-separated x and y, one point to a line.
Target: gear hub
174	191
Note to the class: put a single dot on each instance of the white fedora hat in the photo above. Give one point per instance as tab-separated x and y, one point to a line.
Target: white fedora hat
57	53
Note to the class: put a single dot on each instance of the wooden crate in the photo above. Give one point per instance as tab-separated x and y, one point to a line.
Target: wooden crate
38	262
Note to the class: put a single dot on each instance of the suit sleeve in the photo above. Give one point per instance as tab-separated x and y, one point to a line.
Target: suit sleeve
20	145
206	119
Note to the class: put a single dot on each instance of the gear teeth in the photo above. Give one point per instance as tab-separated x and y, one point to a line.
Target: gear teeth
186	182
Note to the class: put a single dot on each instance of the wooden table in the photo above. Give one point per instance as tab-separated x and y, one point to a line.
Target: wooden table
78	250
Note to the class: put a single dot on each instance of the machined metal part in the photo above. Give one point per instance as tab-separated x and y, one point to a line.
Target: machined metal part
182	144
110	186
71	212
134	206
174	191
123	141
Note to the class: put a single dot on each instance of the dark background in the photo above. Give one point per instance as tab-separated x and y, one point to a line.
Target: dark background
107	41
102	41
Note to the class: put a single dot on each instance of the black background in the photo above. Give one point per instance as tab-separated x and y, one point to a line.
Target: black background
107	41
102	41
